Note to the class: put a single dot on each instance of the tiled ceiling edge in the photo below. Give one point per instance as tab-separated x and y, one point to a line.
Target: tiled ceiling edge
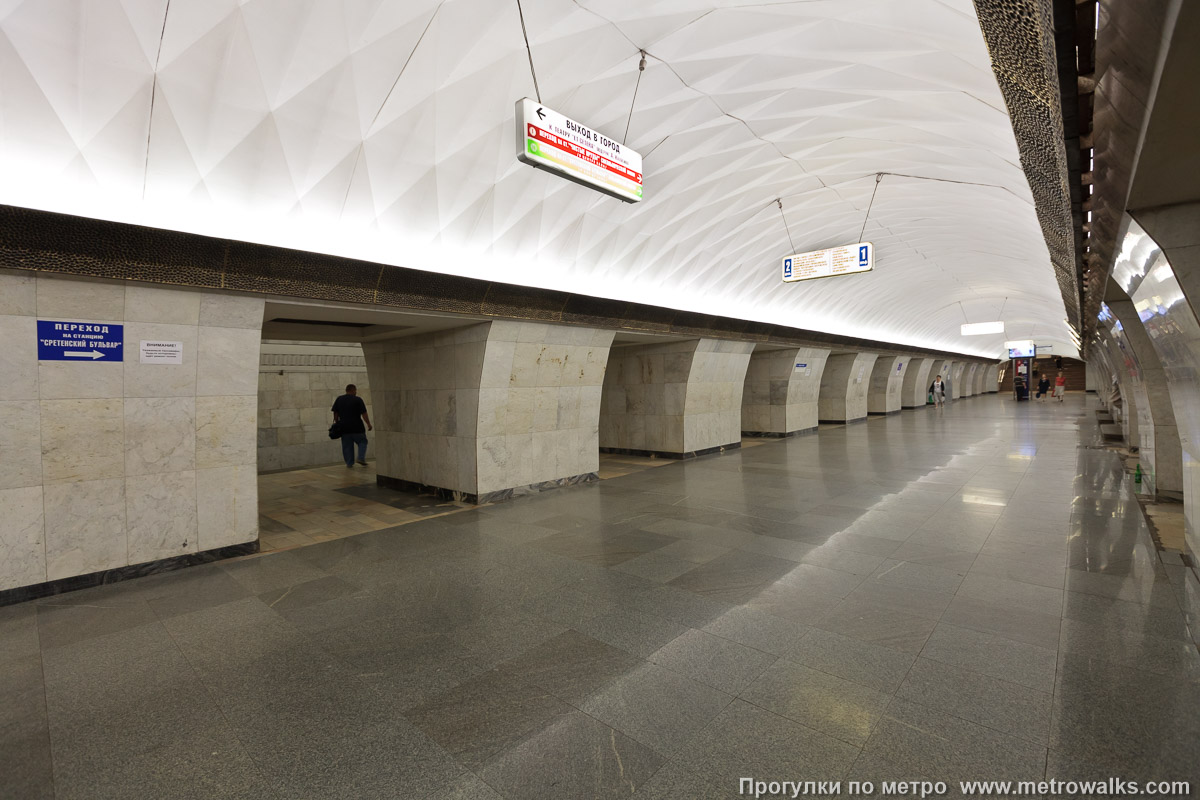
1020	41
82	246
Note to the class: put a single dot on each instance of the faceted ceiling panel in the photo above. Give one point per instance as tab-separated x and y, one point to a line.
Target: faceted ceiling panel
384	130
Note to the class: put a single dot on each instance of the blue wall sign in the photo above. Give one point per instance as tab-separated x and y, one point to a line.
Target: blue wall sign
80	341
787	268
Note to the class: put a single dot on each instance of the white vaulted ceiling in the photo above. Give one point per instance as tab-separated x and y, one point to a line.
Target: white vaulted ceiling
383	129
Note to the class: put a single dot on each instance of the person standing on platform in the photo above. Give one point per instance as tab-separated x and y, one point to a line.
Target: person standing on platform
350	415
938	390
1043	387
1060	386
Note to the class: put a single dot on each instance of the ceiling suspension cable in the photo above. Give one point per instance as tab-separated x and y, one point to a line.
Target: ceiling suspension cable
785	225
537	91
878	178
641	69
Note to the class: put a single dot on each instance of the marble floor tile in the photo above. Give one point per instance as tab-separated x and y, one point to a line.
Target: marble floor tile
879	625
757	629
639	634
733	577
1000	705
574	756
834	706
748	740
876	667
485	715
933	743
992	655
571	666
1038	629
712	660
657	707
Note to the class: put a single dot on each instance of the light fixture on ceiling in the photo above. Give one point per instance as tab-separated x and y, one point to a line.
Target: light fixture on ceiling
980	328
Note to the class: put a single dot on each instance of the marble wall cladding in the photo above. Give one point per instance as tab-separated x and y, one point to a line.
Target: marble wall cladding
1155	414
82	440
956	379
18	358
115	470
675	397
161	516
20	454
991	382
226	506
227	361
844	385
18	294
644	396
85	527
22	537
968	380
781	390
917	377
293	410
1156	284
488	407
887	381
160	434
713	403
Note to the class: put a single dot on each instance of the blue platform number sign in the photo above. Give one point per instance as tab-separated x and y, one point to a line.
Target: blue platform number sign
787	268
80	341
862	255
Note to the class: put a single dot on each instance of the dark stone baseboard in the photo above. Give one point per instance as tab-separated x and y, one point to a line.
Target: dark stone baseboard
778	435
882	413
118	574
840	421
910	408
486	497
625	451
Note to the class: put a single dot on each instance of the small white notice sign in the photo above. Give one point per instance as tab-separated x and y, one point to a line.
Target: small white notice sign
161	353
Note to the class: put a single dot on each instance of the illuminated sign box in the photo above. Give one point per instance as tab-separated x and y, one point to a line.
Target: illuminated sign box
979	328
548	140
844	260
1021	349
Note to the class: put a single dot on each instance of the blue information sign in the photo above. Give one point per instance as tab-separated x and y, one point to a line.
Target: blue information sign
79	341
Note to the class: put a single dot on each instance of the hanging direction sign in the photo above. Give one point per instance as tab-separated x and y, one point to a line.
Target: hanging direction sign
548	140
79	341
844	260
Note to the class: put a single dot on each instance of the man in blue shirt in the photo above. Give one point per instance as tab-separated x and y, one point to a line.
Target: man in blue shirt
350	414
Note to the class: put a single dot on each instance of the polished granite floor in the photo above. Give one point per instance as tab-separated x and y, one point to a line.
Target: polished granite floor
964	594
300	507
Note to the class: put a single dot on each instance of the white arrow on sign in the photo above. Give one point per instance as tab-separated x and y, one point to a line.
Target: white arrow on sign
93	354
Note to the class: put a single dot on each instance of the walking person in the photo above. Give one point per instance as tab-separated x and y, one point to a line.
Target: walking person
1060	386
350	415
1043	387
938	390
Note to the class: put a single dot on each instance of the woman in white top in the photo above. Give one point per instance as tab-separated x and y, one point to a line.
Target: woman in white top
938	390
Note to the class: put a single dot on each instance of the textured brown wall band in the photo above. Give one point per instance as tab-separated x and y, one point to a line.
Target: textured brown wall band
1020	40
40	240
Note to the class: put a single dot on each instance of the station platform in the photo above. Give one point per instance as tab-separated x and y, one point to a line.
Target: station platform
964	594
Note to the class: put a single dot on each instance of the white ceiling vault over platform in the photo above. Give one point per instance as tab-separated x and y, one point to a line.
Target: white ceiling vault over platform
383	130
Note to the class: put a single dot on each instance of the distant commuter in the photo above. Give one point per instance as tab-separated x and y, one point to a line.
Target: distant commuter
1043	387
350	414
938	390
1060	386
